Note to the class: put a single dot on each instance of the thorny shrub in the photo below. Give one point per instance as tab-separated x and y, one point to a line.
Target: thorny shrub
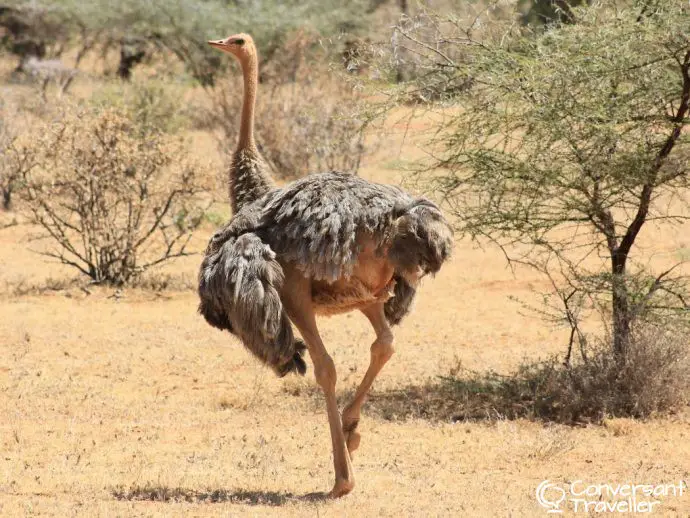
653	380
17	157
114	200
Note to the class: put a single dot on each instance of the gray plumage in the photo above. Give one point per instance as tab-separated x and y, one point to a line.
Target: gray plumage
328	243
248	179
318	224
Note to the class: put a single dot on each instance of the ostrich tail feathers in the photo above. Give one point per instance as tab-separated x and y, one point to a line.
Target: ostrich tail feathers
239	287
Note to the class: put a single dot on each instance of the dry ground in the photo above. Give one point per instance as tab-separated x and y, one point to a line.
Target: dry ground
128	404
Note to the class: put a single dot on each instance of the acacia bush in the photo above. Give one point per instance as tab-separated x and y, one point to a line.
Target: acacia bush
172	27
153	105
114	200
567	144
563	145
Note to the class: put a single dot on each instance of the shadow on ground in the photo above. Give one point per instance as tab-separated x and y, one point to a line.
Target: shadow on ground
450	399
157	493
471	396
652	380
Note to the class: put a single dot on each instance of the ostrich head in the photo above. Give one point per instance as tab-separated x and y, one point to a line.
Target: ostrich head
239	45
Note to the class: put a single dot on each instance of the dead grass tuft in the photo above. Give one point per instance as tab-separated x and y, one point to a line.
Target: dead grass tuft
653	380
230	402
157	281
619	427
22	287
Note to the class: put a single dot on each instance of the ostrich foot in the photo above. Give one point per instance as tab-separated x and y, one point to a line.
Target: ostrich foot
341	488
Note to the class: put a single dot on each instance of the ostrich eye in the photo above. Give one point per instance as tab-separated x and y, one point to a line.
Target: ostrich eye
239	41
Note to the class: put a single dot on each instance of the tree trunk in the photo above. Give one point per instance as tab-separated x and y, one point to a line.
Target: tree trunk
132	52
621	318
620	306
7	199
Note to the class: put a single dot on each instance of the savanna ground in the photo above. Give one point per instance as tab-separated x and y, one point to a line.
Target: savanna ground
126	403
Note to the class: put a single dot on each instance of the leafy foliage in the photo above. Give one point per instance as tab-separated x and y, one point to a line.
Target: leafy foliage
566	143
547	12
181	27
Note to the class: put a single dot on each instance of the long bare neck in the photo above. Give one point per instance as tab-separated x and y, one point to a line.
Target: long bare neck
249	176
250	71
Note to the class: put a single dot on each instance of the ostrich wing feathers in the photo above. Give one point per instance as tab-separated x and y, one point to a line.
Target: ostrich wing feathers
317	221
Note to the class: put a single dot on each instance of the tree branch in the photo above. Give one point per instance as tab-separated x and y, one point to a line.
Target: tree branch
647	189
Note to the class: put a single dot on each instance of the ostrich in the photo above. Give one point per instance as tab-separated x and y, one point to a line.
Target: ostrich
328	243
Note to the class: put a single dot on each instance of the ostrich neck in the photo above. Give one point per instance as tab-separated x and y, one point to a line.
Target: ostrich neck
249	177
250	73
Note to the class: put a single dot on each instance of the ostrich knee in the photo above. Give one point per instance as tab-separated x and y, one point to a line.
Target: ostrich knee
325	374
382	349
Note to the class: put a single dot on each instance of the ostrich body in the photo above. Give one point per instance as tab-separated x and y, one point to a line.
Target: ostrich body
328	243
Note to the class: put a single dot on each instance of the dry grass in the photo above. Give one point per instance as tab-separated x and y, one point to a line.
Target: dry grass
21	286
131	406
654	380
159	281
128	404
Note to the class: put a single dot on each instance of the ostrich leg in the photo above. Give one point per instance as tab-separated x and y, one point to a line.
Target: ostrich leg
381	352
299	307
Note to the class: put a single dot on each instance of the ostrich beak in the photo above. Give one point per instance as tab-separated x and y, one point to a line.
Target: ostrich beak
218	44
